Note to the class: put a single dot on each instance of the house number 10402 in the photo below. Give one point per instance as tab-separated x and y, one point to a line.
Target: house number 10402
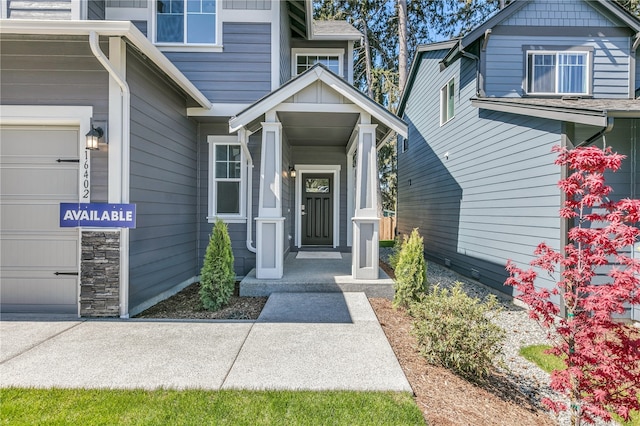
85	177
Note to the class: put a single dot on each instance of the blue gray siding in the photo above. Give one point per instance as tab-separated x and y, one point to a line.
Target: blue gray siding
239	74
61	72
482	187
163	186
128	3
558	13
39	9
96	10
505	63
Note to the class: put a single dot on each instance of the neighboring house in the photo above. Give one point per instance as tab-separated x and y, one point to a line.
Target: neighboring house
206	112
476	174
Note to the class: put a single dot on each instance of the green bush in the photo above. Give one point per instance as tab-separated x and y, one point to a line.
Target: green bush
455	331
411	271
217	277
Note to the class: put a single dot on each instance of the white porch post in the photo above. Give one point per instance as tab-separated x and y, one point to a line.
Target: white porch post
270	223
366	222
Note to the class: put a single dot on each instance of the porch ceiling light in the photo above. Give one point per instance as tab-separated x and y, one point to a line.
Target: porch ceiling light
292	172
93	136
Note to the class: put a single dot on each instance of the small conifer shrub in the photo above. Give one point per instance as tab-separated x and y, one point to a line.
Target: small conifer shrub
411	271
395	253
217	277
456	331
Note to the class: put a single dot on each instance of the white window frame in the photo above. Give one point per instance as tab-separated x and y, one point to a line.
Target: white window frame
240	217
529	79
444	101
184	46
296	52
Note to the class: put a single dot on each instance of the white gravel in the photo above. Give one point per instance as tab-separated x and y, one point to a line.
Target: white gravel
520	331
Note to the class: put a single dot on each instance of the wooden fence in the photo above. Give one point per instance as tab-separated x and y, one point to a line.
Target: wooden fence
387	228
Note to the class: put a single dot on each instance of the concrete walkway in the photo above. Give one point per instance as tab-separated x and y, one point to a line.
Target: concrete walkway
314	341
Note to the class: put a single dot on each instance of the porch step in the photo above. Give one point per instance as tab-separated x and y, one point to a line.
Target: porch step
317	276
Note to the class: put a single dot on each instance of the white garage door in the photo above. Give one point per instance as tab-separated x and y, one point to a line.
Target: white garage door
39	261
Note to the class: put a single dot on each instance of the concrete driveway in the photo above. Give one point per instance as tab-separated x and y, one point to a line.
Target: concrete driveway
314	341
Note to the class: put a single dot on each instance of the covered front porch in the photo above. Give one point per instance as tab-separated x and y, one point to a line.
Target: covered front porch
316	141
317	272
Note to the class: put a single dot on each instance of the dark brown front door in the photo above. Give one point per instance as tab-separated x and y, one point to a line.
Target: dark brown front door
317	209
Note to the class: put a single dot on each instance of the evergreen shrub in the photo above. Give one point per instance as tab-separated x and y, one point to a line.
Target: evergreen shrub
456	331
217	277
411	271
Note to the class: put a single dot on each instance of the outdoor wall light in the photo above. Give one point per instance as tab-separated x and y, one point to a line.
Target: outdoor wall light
93	136
292	172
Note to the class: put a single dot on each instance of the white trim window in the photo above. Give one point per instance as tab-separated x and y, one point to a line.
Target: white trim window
227	181
558	73
303	59
447	104
186	22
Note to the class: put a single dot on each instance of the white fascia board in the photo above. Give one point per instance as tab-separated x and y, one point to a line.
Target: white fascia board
107	28
217	110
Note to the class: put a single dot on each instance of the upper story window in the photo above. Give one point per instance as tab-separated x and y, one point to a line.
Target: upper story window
305	59
186	22
447	106
561	73
226	178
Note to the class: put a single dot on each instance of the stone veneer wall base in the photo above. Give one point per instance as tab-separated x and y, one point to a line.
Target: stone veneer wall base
100	274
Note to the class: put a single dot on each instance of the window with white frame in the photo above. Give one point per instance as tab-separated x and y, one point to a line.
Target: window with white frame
226	178
305	59
447	96
561	73
182	22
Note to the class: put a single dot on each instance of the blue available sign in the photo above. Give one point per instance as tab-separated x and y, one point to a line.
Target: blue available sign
101	215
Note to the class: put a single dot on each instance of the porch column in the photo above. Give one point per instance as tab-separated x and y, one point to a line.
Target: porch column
366	222
270	223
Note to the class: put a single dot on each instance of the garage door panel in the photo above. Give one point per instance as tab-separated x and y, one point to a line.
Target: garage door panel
32	245
43	142
39	253
39	182
29	217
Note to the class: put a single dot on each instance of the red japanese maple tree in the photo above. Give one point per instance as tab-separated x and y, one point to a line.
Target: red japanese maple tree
602	354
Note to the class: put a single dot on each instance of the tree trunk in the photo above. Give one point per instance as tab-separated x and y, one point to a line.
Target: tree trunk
402	41
367	56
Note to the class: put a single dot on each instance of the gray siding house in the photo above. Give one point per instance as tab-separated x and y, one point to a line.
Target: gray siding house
476	173
204	114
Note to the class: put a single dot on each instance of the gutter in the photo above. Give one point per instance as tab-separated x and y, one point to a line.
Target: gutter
605	129
477	59
124	159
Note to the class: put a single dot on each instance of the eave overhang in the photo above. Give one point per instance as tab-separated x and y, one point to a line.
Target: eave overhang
594	112
318	73
108	29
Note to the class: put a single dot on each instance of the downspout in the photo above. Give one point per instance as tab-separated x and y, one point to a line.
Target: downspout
244	137
477	59
125	142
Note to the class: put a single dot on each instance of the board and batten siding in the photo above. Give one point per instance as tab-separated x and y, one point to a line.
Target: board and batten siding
480	188
239	74
246	4
59	72
163	185
505	63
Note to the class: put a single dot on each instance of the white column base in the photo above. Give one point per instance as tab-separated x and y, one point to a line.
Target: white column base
269	247
365	249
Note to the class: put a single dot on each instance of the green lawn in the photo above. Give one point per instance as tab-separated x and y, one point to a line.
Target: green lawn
549	363
199	407
387	243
